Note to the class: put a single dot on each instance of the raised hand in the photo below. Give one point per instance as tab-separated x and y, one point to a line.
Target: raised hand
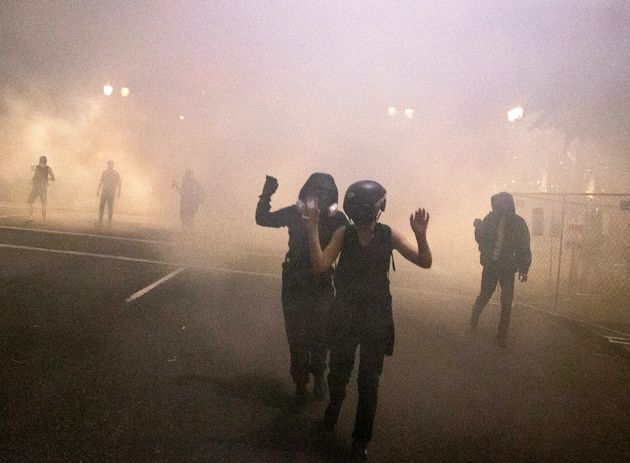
310	215
419	221
270	186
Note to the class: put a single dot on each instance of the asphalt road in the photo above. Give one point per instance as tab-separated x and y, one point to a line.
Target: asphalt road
196	369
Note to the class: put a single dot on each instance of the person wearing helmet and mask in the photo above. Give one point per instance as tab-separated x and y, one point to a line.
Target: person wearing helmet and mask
362	314
503	239
306	297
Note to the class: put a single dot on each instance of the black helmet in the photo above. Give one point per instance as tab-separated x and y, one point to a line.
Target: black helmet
364	201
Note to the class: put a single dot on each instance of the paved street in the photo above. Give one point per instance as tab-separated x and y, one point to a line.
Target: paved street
196	368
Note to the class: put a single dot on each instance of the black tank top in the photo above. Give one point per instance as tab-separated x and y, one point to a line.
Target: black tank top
363	271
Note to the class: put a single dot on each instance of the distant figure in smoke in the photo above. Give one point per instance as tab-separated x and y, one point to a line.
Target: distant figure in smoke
108	186
42	174
191	196
503	239
362	314
306	298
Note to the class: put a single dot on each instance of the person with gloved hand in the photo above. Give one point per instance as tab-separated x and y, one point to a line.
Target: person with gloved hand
306	297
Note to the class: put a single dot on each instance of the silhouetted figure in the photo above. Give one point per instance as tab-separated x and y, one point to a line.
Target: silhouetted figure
191	196
503	239
362	314
306	298
42	173
109	185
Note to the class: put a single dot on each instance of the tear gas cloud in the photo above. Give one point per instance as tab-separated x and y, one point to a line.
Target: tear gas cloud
237	90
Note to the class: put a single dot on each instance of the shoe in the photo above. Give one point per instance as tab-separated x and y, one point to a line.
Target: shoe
320	387
359	451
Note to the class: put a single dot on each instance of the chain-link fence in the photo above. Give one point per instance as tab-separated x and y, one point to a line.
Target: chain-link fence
581	255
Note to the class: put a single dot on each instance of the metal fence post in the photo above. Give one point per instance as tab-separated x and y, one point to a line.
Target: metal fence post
564	201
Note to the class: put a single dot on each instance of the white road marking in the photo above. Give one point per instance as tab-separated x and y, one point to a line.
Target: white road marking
90	235
135	259
85	254
154	285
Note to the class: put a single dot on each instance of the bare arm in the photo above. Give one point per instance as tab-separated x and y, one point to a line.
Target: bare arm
51	175
321	260
420	255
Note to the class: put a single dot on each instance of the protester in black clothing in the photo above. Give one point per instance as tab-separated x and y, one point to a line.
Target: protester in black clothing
503	239
191	196
306	297
362	313
42	173
109	186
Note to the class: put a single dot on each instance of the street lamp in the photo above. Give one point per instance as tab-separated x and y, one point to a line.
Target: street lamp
124	91
391	111
515	114
409	113
108	89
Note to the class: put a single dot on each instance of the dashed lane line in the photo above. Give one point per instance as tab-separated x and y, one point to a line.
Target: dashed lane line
145	290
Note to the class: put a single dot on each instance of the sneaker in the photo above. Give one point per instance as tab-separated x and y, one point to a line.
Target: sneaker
359	451
320	387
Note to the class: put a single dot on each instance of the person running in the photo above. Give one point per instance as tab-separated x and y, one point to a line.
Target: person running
42	174
306	299
108	186
503	239
362	314
191	196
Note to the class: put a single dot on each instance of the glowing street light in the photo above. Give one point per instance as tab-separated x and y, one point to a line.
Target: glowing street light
107	90
409	113
124	91
391	111
515	113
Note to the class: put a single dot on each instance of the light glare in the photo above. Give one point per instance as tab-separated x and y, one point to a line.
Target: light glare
108	89
515	113
124	91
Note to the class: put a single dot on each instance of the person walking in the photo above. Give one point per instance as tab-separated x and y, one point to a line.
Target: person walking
108	188
362	315
306	298
42	174
503	238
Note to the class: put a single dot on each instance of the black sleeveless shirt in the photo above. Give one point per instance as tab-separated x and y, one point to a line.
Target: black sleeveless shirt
364	270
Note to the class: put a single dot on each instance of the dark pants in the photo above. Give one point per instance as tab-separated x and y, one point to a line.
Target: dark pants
106	199
187	210
306	313
489	278
370	368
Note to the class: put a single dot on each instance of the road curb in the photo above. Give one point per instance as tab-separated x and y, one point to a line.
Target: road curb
610	339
